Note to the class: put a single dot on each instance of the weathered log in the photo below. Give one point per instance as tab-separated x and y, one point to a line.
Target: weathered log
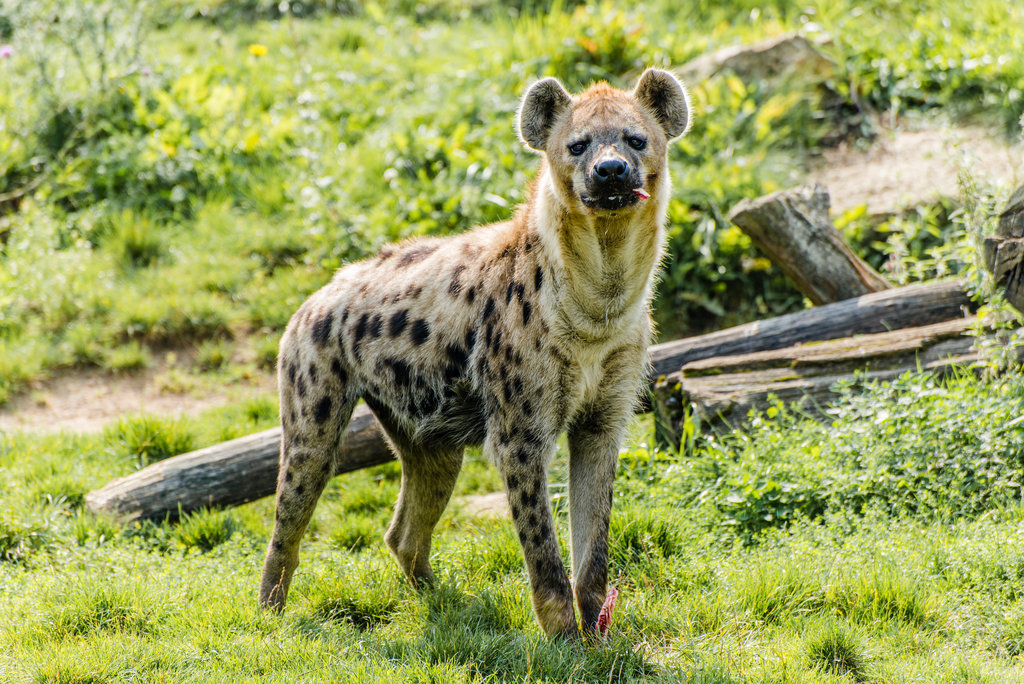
794	229
226	474
1004	251
903	307
245	469
723	390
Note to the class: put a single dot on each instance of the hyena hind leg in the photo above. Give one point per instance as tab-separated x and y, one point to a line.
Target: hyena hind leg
307	464
427	483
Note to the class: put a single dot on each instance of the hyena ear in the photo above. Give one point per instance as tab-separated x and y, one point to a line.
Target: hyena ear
543	103
665	96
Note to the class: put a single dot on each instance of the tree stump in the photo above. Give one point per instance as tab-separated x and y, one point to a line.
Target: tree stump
1004	251
794	229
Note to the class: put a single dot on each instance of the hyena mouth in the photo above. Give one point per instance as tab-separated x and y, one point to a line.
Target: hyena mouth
617	201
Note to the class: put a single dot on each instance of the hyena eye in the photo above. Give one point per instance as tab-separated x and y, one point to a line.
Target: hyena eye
577	148
636	142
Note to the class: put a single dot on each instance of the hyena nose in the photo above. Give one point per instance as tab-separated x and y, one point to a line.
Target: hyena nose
610	169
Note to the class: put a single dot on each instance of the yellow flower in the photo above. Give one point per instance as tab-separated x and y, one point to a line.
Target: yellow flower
258	49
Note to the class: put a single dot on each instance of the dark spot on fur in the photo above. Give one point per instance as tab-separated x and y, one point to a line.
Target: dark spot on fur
398	321
508	353
528	246
522	456
312	373
527	310
323	410
507	391
520	291
488	308
538	278
488	334
537	539
414	254
527	408
401	370
300	386
470	341
278	545
508	293
420	331
344	316
517	385
471	294
288	476
385	254
456	354
531	438
455	285
360	327
497	343
339	370
322	329
299	489
291	373
374	328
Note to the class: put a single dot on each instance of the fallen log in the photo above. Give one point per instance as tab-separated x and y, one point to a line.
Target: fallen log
794	229
245	469
903	307
722	391
226	474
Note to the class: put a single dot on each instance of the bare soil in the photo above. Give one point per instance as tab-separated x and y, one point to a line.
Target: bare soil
88	400
906	167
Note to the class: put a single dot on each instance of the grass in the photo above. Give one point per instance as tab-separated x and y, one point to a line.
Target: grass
867	588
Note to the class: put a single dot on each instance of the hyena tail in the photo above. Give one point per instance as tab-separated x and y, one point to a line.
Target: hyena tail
316	406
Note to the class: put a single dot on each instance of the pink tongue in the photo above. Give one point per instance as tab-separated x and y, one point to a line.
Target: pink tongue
604	619
641	193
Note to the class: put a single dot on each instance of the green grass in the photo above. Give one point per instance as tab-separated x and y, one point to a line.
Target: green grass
172	187
867	588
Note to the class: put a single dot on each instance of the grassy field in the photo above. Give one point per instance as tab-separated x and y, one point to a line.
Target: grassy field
884	546
177	176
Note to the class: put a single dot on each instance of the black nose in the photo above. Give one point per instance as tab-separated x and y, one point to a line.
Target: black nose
610	169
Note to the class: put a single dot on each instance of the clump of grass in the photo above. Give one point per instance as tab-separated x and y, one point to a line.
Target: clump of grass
134	239
214	354
266	347
127	358
205	529
775	591
882	594
150	438
355	532
837	648
20	537
113	608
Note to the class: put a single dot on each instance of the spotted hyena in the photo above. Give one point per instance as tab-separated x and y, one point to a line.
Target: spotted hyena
506	336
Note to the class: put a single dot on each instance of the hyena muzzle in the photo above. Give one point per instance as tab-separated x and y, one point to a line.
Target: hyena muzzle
506	336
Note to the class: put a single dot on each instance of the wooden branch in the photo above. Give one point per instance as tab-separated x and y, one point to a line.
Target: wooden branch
903	307
723	390
245	469
226	474
794	229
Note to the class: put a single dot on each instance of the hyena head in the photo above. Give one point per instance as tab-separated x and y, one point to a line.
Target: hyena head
606	148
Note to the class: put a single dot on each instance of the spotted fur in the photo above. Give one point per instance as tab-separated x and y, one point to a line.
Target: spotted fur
508	336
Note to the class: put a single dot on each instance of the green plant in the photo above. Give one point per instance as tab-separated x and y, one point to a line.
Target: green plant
150	438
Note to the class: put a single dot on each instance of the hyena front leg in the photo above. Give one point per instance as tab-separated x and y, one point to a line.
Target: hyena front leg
522	456
594	442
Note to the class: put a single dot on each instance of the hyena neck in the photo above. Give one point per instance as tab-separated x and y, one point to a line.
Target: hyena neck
607	265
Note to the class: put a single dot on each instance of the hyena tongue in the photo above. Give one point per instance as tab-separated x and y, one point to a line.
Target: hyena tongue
641	193
604	618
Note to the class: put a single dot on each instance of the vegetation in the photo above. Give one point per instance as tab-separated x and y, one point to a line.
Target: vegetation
177	175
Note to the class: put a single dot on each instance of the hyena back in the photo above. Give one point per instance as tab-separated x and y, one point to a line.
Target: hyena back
506	336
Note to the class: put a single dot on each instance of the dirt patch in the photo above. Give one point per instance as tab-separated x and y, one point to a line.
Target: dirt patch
908	167
87	401
494	504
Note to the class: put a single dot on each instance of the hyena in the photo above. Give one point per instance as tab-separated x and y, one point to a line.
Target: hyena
507	336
